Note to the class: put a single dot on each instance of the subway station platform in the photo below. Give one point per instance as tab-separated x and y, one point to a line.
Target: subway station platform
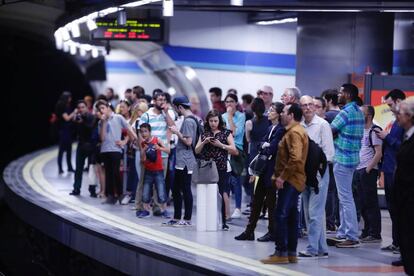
113	235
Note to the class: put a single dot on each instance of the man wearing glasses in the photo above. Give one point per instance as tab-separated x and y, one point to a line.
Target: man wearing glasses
266	94
291	95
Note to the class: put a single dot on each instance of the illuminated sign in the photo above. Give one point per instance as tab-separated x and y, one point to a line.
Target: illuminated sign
134	29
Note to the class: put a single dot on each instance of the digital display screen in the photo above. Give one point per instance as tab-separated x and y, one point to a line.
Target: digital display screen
134	29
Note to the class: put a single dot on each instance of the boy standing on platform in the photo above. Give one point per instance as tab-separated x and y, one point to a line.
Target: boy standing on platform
153	173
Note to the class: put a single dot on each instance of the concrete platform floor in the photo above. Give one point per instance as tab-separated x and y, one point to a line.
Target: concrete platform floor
366	260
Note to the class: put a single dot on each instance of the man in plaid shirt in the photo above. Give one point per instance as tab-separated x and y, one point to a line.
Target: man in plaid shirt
348	128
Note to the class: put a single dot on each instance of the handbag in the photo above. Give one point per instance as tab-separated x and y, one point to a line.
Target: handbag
92	175
238	162
205	172
258	164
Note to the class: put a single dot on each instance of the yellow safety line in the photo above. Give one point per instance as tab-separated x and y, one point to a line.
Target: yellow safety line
33	175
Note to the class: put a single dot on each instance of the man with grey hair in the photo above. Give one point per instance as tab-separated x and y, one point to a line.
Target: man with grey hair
291	95
403	190
314	201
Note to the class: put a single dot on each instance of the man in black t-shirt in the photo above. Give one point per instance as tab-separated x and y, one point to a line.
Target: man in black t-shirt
85	123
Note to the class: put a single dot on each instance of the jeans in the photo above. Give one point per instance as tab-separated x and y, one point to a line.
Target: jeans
83	151
157	178
331	208
132	176
314	208
347	210
286	221
182	189
236	189
388	183
366	184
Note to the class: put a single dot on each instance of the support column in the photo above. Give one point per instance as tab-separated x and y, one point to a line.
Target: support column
331	46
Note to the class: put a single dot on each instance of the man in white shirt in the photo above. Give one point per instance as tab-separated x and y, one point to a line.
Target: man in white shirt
320	132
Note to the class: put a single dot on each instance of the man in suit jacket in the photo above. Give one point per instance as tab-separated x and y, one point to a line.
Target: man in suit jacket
403	196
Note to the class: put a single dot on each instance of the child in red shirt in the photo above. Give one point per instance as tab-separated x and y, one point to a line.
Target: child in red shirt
153	173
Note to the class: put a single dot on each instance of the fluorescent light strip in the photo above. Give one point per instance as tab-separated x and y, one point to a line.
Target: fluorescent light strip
236	3
277	21
398	10
319	10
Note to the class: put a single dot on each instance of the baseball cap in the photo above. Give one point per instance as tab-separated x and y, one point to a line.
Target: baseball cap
181	100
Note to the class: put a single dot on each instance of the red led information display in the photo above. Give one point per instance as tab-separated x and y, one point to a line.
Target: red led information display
134	29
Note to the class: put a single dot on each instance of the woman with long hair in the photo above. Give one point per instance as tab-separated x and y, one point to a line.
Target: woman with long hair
217	143
264	189
132	175
255	130
65	115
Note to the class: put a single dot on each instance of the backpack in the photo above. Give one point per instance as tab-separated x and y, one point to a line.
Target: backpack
151	152
315	162
199	131
371	144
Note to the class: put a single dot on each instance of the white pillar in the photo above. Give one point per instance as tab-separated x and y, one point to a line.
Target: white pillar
212	214
201	207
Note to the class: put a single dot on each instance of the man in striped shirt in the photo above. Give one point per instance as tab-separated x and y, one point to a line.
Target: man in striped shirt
348	128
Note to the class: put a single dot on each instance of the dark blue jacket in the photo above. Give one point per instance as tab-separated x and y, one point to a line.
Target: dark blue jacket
391	144
274	140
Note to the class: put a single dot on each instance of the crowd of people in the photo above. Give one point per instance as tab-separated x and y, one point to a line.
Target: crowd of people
152	143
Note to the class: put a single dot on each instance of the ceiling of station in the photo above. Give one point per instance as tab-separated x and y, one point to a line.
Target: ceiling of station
40	17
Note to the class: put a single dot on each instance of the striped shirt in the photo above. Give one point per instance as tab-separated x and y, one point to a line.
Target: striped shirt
349	125
158	125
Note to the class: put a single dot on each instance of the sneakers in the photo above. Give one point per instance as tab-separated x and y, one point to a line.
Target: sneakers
139	212
323	255
246	212
370	239
236	214
144	214
274	259
332	241
165	214
126	200
266	237
75	193
348	244
390	248
225	227
396	251
169	223
183	223
245	237
303	255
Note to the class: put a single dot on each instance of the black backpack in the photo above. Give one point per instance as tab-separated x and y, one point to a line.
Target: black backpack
199	131
371	144
315	162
